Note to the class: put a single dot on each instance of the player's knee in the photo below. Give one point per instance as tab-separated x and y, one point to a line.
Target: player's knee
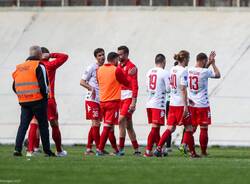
122	118
129	126
194	129
53	123
171	128
189	128
155	125
107	125
96	123
122	124
34	121
204	127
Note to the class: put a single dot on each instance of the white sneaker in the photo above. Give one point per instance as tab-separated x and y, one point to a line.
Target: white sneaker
168	150
63	153
31	154
37	150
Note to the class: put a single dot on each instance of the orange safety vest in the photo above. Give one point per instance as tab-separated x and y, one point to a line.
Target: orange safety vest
109	87
26	83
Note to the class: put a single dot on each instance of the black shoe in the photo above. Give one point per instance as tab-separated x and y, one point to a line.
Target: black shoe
105	152
194	155
26	143
17	154
157	152
137	153
50	154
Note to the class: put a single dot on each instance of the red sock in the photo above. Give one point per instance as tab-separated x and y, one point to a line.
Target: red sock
157	135
32	137
203	140
112	140
96	135
104	137
121	142
151	139
37	142
164	137
56	135
90	138
188	139
135	144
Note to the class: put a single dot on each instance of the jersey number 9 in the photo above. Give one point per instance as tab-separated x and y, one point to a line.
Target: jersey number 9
152	81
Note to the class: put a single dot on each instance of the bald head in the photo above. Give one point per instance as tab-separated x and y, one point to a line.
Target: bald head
36	51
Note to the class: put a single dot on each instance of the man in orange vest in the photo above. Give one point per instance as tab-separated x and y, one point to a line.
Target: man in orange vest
109	79
31	87
51	61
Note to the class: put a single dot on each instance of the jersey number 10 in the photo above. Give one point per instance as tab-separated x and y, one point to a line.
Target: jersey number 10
173	82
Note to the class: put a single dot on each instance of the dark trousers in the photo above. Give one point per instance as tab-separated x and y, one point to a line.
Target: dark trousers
168	142
39	110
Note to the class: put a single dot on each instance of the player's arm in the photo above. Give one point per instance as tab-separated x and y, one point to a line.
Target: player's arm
58	59
85	84
121	78
210	59
134	85
42	79
183	87
167	82
84	81
14	87
184	94
216	70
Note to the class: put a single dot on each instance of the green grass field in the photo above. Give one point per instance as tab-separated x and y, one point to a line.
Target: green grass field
223	166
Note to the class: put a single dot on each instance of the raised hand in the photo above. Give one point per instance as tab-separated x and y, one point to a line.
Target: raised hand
211	58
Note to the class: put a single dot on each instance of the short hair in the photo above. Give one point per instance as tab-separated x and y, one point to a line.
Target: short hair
201	56
97	51
44	50
112	55
35	51
181	56
124	48
159	58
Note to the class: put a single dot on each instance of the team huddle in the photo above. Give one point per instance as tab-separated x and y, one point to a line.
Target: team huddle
180	94
112	95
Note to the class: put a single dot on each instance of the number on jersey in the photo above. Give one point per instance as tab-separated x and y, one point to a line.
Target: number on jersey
194	83
152	81
173	82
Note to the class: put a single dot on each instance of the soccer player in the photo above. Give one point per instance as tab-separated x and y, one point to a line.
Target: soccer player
198	95
92	101
157	87
109	79
51	61
169	140
128	101
178	109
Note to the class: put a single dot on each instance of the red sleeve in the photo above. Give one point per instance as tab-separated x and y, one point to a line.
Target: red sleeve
58	60
120	77
134	83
